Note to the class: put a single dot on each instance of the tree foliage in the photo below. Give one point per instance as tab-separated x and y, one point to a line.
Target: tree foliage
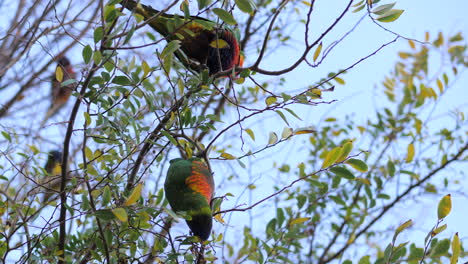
340	182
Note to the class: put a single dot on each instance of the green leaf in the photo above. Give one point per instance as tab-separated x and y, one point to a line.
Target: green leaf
391	168
121	80
364	260
390	16
342	172
98	34
357	164
129	35
441	248
292	113
87	53
6	136
282	116
415	253
225	16
97	56
280	216
382	9
104	214
245	6
445	206
203	3
106	196
170	48
387	253
169	137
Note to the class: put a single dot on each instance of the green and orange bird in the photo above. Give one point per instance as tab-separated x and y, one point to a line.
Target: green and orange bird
189	187
59	94
203	41
53	168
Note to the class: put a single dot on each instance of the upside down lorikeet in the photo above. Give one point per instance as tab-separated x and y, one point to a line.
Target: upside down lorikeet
203	41
189	187
59	94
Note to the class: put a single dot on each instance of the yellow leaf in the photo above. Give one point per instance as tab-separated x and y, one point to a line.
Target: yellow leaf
270	100
331	157
317	51
134	196
184	5
250	133
299	220
440	85
438	230
287	132
410	154
403	55
432	93
363	180
146	68
33	148
121	214
304	130
273	138
404	226
89	153
455	249
345	150
219	44
445	206
339	80
227	156
59	74
219	218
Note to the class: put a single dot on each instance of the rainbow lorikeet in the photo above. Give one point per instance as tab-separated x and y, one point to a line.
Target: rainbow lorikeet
189	187
52	181
203	41
59	94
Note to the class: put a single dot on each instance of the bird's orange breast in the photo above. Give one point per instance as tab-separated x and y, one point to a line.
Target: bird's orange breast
198	180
